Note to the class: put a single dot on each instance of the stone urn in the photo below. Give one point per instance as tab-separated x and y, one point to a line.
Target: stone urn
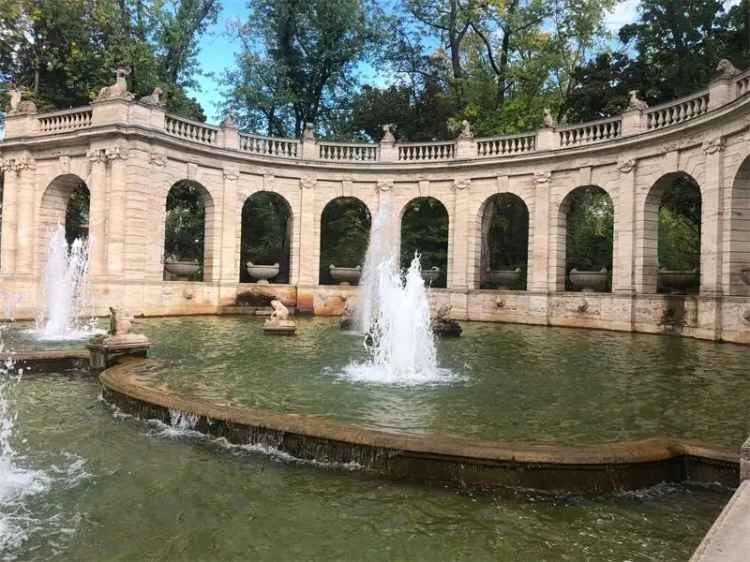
263	273
745	275
431	275
504	278
181	269
678	280
590	281
345	275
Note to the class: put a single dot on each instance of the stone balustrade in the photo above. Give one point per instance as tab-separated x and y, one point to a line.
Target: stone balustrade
634	121
677	111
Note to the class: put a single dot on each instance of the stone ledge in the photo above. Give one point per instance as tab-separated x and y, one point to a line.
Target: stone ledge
40	361
728	540
592	469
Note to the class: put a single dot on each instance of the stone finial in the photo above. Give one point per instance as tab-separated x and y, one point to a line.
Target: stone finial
388	134
308	133
156	98
465	133
635	103
549	121
118	90
725	70
17	106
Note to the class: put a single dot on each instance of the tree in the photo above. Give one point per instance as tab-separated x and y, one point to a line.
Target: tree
297	61
63	51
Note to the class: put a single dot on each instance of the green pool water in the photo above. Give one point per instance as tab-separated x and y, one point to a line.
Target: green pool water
119	489
510	382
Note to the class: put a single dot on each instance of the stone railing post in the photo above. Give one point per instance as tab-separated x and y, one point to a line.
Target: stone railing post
228	131
387	148
547	139
633	122
309	144
114	111
20	125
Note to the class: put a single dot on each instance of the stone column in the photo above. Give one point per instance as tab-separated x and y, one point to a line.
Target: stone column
624	243
309	242
230	255
538	268
98	212
10	197
712	215
459	239
25	225
116	157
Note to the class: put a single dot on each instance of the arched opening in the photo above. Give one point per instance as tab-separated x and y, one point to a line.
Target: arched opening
424	229
66	202
344	233
737	243
185	255
673	205
587	213
265	241
505	242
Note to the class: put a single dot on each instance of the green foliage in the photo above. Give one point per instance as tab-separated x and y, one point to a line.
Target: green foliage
77	214
424	230
680	225
185	223
265	234
61	52
298	61
344	234
590	230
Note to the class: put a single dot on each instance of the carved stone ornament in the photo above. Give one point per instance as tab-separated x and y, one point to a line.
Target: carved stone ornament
229	121
670	147
17	106
541	178
96	155
635	103
64	162
460	185
465	133
308	182
712	146
20	164
388	134
626	166
231	174
117	153
746	316
385	185
157	159
156	98
549	121
308	133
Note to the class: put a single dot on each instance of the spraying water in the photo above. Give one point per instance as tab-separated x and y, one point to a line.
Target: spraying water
64	290
394	314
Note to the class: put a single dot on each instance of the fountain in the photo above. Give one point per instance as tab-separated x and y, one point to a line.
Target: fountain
394	315
64	290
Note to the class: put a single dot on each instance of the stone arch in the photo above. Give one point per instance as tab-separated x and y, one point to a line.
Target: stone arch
504	216
593	207
652	236
262	241
189	236
351	217
428	233
737	243
55	207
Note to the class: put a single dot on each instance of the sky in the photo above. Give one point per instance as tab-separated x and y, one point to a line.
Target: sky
218	48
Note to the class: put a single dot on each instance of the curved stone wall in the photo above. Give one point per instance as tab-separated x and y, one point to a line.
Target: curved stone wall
591	469
129	155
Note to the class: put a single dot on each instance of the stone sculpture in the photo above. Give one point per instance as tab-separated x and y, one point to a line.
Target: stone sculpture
465	133
443	325
154	98
725	70
117	90
388	134
120	321
347	317
16	104
549	121
636	103
278	322
117	342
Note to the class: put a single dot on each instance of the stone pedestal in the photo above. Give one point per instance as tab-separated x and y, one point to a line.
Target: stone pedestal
106	350
280	327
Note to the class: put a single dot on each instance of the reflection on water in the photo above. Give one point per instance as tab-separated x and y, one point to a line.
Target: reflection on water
513	383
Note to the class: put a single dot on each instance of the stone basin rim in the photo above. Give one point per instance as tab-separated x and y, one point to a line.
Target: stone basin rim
122	380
